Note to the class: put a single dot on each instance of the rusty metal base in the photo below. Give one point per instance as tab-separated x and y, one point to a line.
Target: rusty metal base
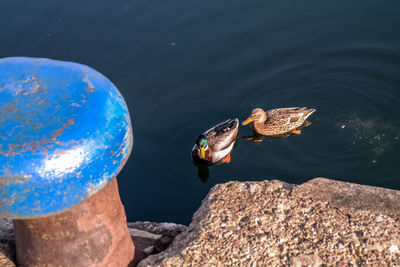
93	233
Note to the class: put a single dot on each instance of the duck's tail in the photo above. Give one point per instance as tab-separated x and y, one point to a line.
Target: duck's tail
308	112
227	125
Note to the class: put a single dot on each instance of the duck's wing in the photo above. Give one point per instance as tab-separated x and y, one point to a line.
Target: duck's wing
222	135
288	116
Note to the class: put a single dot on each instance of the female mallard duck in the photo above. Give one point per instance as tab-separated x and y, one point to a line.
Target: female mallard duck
278	121
216	143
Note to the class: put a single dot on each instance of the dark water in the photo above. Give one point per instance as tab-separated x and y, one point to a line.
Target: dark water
184	66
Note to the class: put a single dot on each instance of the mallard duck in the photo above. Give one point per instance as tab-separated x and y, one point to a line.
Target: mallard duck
216	143
278	121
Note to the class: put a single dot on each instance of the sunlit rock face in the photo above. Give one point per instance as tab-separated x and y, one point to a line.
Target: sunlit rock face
272	223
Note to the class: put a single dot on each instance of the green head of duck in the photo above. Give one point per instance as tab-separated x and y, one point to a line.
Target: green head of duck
202	143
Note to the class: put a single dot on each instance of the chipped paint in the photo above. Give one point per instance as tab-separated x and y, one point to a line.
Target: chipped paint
90	87
27	85
58	146
35	145
61	130
8	180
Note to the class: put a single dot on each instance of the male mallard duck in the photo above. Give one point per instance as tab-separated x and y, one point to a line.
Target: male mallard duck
216	143
278	121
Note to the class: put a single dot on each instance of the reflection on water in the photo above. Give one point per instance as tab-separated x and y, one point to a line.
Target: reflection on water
203	171
256	138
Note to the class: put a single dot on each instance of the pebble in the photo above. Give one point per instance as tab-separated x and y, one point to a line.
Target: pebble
394	249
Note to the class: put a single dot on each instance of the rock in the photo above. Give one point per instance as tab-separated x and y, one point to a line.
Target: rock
6	262
150	237
148	250
352	197
142	240
7	243
168	231
143	235
164	229
270	223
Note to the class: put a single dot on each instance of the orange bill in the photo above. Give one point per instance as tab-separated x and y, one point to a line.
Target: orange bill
249	119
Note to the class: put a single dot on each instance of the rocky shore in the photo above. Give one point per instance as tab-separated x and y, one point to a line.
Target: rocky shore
271	223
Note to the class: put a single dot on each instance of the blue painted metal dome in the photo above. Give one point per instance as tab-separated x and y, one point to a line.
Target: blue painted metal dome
65	132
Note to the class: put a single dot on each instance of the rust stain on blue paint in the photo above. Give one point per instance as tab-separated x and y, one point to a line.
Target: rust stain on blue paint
65	132
35	145
8	180
90	87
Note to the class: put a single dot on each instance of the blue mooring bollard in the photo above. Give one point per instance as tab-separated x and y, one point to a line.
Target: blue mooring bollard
65	133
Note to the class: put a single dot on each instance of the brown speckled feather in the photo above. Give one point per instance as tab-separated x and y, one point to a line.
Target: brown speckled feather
282	120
